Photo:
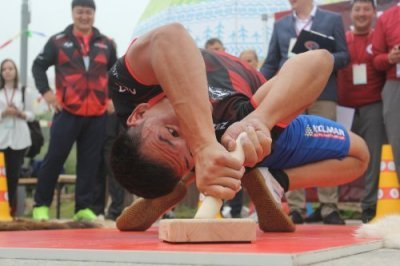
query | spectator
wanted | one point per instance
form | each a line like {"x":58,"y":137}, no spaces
{"x":386,"y":49}
{"x":306,"y":15}
{"x":214,"y":44}
{"x":14,"y":132}
{"x":359,"y":87}
{"x":250,"y":56}
{"x":106,"y":183}
{"x":81,"y":56}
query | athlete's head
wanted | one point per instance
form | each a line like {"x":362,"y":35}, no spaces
{"x":151,"y":156}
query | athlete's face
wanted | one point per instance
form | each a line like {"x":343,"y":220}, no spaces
{"x":161,"y":137}
{"x":83,"y":18}
{"x":362,"y":15}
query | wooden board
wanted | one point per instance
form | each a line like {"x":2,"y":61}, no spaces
{"x":207,"y":230}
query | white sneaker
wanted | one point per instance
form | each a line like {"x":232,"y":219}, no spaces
{"x":273,"y":185}
{"x":226,"y":211}
{"x":100,"y":218}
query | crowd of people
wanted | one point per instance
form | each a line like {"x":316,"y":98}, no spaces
{"x":275,"y":102}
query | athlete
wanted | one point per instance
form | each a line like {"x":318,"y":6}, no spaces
{"x":169,"y":83}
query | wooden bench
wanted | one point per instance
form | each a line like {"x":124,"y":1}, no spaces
{"x":62,"y":181}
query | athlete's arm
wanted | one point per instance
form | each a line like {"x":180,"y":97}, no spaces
{"x":296,"y":86}
{"x":169,"y":57}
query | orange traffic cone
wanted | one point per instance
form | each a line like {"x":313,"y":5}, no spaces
{"x":4,"y":206}
{"x":389,"y":190}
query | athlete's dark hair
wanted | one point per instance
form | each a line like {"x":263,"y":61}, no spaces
{"x":139,"y":175}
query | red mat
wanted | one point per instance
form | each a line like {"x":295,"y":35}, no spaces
{"x":306,"y":238}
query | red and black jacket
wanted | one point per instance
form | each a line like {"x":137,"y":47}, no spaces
{"x":81,"y":91}
{"x":231,"y":84}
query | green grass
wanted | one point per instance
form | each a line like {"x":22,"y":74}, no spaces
{"x":183,"y":211}
{"x":67,"y":210}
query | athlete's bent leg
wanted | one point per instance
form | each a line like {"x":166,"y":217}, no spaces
{"x":332,"y":172}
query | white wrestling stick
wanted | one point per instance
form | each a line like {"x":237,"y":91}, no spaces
{"x":211,"y":206}
{"x":205,"y":228}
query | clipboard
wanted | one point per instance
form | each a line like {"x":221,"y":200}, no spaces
{"x":312,"y":40}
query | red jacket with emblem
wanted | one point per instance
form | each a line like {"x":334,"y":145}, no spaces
{"x":360,"y":51}
{"x":81,"y":81}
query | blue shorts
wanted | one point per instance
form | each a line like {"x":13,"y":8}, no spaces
{"x":306,"y":140}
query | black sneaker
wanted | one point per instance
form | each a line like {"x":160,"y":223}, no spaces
{"x":296,"y":217}
{"x":111,"y":216}
{"x":367,"y":215}
{"x":314,"y":217}
{"x":333,"y":218}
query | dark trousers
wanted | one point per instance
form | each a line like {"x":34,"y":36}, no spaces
{"x":105,"y":183}
{"x":391,"y":116}
{"x":236,"y":205}
{"x":13,"y":160}
{"x":368,"y":124}
{"x":88,"y":133}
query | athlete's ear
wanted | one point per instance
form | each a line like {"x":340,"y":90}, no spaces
{"x":136,"y":116}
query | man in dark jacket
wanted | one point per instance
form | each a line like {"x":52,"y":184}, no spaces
{"x":81,"y":56}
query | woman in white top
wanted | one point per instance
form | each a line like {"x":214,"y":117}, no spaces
{"x":14,"y":132}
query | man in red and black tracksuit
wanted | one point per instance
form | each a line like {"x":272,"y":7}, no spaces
{"x":359,"y":87}
{"x":81,"y":56}
{"x":386,"y":49}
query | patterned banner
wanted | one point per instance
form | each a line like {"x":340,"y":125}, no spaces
{"x":239,"y":24}
{"x":29,"y":33}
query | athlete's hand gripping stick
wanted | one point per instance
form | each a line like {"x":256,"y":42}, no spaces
{"x":211,"y":205}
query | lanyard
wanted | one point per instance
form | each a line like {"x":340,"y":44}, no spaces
{"x":359,"y":53}
{"x":9,"y":101}
{"x":84,"y":43}
{"x":305,"y":26}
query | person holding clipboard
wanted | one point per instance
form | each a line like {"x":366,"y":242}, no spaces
{"x":307,"y":16}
